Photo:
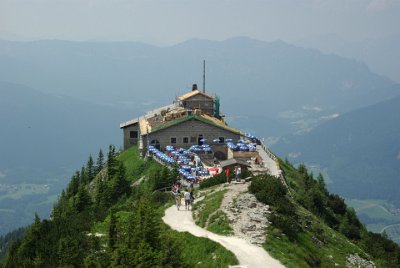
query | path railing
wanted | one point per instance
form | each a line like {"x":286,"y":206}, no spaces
{"x":273,"y":157}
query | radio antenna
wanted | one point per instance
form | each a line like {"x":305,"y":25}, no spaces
{"x":204,"y":76}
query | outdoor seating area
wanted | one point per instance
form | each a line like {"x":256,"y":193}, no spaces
{"x":243,"y":145}
{"x":187,"y":161}
{"x":181,"y":159}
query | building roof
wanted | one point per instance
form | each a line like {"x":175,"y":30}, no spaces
{"x":194,"y":93}
{"x":234,"y":161}
{"x":204,"y":118}
{"x":129,"y":123}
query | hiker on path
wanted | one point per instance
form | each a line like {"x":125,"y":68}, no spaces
{"x":238,"y":172}
{"x":227,"y":173}
{"x":186,"y":194}
{"x":191,"y":198}
{"x":178,"y":198}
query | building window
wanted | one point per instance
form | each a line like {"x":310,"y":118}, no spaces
{"x":173,"y":140}
{"x":133,"y":134}
{"x":192,"y":139}
{"x":221,"y":139}
{"x":185,"y":139}
{"x":156,"y":144}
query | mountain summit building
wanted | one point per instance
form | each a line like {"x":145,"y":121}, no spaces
{"x":192,"y":119}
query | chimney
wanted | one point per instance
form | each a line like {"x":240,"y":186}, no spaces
{"x":194,"y":87}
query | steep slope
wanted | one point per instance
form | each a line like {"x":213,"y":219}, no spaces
{"x":360,"y":151}
{"x":100,"y":220}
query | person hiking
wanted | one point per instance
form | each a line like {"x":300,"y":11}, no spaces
{"x":227,"y":173}
{"x":191,"y":198}
{"x":238,"y":172}
{"x":178,"y":198}
{"x":186,"y":194}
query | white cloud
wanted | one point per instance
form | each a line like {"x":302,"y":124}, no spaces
{"x":2,"y":174}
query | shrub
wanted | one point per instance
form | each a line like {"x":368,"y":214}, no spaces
{"x":268,"y":189}
{"x":217,"y":179}
{"x":287,"y":224}
{"x":161,"y":198}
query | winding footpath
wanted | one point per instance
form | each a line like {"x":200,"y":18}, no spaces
{"x":249,"y":255}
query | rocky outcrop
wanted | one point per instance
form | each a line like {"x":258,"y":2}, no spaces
{"x":355,"y":261}
{"x":248,"y":217}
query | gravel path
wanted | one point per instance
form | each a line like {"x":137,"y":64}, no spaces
{"x":249,"y":255}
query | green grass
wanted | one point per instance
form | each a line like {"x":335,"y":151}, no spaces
{"x":312,"y":246}
{"x":201,"y":252}
{"x":211,"y":203}
{"x":219,"y":224}
{"x":136,"y":166}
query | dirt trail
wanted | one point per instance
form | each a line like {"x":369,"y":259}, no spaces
{"x":249,"y":255}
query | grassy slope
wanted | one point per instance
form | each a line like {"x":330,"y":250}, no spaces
{"x":318,"y":241}
{"x":334,"y":248}
{"x":197,"y":252}
{"x":209,"y":213}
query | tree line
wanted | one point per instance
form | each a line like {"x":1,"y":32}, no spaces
{"x":95,"y":194}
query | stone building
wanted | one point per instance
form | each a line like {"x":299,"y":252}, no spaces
{"x":190,"y":120}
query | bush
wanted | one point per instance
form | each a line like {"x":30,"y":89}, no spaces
{"x":268,"y":190}
{"x":217,"y":179}
{"x":287,"y":224}
{"x":161,"y":198}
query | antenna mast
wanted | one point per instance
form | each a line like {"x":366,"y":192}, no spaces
{"x":204,"y":76}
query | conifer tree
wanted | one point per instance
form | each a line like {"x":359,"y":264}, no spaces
{"x":120,"y":185}
{"x":83,"y":175}
{"x":82,"y":199}
{"x":74,"y":184}
{"x":112,"y":231}
{"x":112,"y":162}
{"x":90,"y":169}
{"x":100,"y":161}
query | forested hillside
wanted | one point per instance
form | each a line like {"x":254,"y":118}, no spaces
{"x":318,"y":225}
{"x":101,"y":221}
{"x":110,"y":216}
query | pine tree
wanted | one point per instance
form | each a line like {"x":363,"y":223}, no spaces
{"x":100,"y":162}
{"x":112,"y":231}
{"x":83,"y":175}
{"x":90,"y":169}
{"x":72,"y":188}
{"x":120,"y":185}
{"x":82,"y":199}
{"x":112,"y":162}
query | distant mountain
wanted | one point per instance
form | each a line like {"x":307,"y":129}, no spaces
{"x":360,"y":149}
{"x":88,"y":88}
{"x":43,"y":139}
{"x":287,"y":88}
{"x":382,"y":54}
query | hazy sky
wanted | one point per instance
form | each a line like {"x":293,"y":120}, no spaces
{"x":173,"y":21}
